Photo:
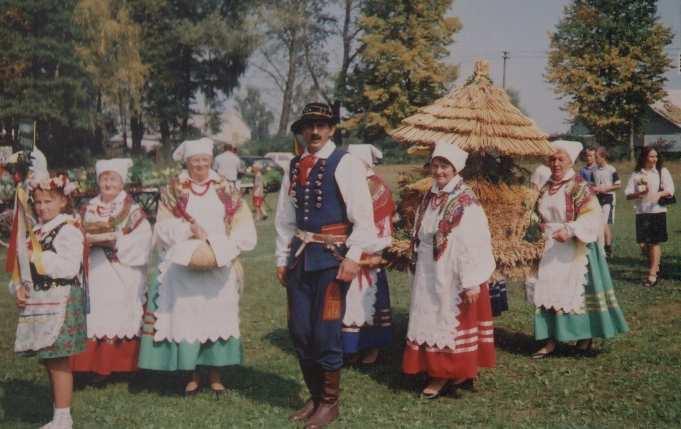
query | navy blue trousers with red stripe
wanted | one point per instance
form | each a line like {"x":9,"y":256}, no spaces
{"x":316,"y":304}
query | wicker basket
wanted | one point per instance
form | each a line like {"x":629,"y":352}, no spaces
{"x":203,"y":258}
{"x":103,"y":237}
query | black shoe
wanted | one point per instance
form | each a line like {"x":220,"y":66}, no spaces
{"x":218,"y":391}
{"x":466,"y":384}
{"x":543,"y":352}
{"x":647,"y":283}
{"x":444,"y":390}
{"x":193,"y":392}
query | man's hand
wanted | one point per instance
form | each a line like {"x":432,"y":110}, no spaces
{"x":471,"y":296}
{"x":198,"y":231}
{"x":562,"y":235}
{"x":21,"y":297}
{"x":281,"y":275}
{"x":348,"y":270}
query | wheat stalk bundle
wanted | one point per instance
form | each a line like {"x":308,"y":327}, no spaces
{"x":480,"y":119}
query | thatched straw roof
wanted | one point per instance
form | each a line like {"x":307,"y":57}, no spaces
{"x":478,"y":117}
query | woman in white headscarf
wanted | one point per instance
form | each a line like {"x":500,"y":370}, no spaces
{"x":573,"y":291}
{"x":367,"y":322}
{"x":119,"y":236}
{"x":451,"y":332}
{"x":192,"y":316}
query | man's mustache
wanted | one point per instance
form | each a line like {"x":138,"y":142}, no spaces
{"x":315,"y":136}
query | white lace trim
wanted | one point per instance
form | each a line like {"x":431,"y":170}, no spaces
{"x":117,"y":297}
{"x":196,"y":305}
{"x":563,"y":291}
{"x":360,"y":304}
{"x":433,"y":314}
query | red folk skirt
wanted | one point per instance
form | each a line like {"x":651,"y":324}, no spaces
{"x":107,"y":355}
{"x":258,"y":201}
{"x":474,"y":347}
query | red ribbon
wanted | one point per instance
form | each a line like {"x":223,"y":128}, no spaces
{"x":304,"y":168}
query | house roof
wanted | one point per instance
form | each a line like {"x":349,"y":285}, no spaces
{"x":670,"y":107}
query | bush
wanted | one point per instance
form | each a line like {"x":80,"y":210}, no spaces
{"x":270,"y":144}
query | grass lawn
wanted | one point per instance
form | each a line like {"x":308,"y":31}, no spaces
{"x":635,"y":380}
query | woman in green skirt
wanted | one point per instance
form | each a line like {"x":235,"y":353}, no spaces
{"x":192,"y":313}
{"x":572,"y":290}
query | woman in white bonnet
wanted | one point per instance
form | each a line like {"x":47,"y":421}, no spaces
{"x":572,"y":290}
{"x":367,"y":322}
{"x":119,"y":237}
{"x":451,"y":333}
{"x":192,"y":316}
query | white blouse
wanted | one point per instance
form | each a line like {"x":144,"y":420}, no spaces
{"x":561,"y":276}
{"x":65,"y":260}
{"x":351,"y":178}
{"x":466,"y":263}
{"x":648,"y":202}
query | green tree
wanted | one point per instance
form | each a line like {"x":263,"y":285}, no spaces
{"x":255,"y":113}
{"x":607,"y":60}
{"x":292,"y":50}
{"x":111,"y":56}
{"x":43,"y":78}
{"x":214,"y":116}
{"x":514,"y":95}
{"x":191,"y":47}
{"x":349,"y":34}
{"x":400,"y":65}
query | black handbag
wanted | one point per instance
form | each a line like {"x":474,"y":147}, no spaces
{"x":665,"y":201}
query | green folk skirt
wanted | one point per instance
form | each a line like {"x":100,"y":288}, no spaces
{"x":182,"y":356}
{"x":603,"y":317}
{"x":73,"y":333}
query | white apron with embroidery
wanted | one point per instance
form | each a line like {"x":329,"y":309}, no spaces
{"x":40,"y":322}
{"x":561,"y":278}
{"x":42,"y":319}
{"x":360,"y":299}
{"x":117,"y":289}
{"x":198,"y":305}
{"x":466,"y":263}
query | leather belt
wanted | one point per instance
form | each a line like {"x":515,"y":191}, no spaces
{"x":329,"y":240}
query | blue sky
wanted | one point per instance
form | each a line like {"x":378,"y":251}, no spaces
{"x":520,"y":27}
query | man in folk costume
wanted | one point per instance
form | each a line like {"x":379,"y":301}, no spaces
{"x":324,"y":223}
{"x":450,"y":334}
{"x":367,"y":323}
{"x":119,"y":236}
{"x":192,"y":316}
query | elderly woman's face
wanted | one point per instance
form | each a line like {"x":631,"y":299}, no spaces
{"x":441,"y":171}
{"x":559,"y":163}
{"x":198,"y":166}
{"x":110,"y":184}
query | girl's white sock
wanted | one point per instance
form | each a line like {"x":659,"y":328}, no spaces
{"x":61,"y":413}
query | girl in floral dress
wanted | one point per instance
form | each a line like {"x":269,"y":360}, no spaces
{"x":52,"y":306}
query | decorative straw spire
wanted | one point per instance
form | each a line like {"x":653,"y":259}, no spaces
{"x":478,"y":117}
{"x":481,"y":70}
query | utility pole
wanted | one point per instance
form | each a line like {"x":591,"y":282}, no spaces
{"x":505,"y":57}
